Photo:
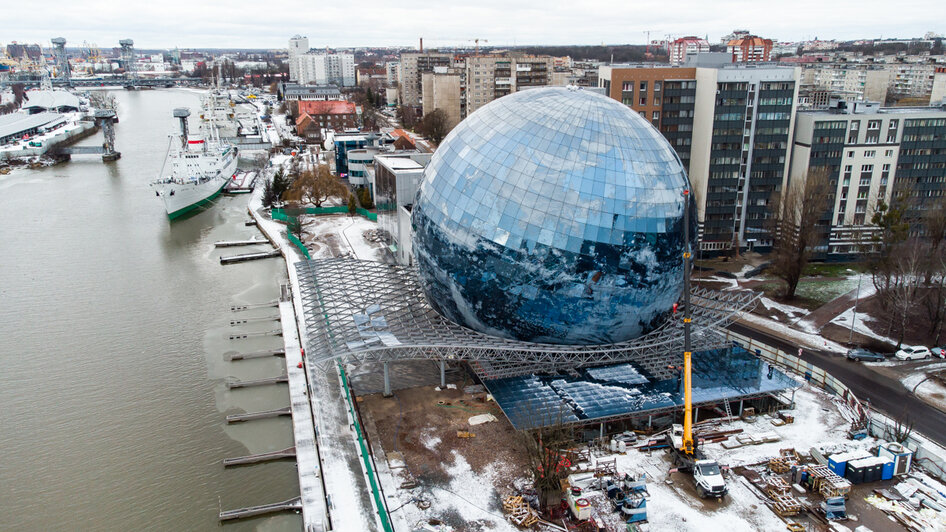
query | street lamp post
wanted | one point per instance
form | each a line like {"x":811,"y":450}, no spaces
{"x":857,"y":296}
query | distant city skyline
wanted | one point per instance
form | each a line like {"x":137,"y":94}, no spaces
{"x":244,"y":24}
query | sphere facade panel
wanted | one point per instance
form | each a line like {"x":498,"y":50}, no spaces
{"x":552,"y":215}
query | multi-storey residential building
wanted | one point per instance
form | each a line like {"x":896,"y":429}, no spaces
{"x":444,"y":89}
{"x":663,"y":95}
{"x":742,"y":128}
{"x":326,"y":69}
{"x":493,"y":76}
{"x":853,"y":81}
{"x":730,"y":125}
{"x":411,"y":69}
{"x":391,"y":68}
{"x":298,"y":45}
{"x":687,"y":46}
{"x":749,"y":49}
{"x":911,"y":78}
{"x":869,"y":154}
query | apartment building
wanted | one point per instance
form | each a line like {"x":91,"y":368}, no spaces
{"x":411,"y":69}
{"x":298,"y":45}
{"x":444,"y":89}
{"x":326,"y":69}
{"x":730,"y":125}
{"x":870,"y":153}
{"x":493,"y":76}
{"x":686,"y":46}
{"x":665,"y":96}
{"x":852,"y":81}
{"x":750,"y":49}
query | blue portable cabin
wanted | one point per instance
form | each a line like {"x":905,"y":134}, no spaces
{"x":838,"y":461}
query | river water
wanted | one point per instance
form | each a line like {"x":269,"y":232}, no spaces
{"x":113,"y":325}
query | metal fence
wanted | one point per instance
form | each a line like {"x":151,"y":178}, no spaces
{"x":284,"y":215}
{"x":927,"y":454}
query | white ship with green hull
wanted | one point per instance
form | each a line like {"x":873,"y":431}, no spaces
{"x":195,"y":171}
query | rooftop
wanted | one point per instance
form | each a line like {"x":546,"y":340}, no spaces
{"x":15,"y":123}
{"x":327,"y":107}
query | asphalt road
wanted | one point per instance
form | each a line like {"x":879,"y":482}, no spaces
{"x":885,"y":394}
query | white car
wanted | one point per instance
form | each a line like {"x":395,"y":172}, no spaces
{"x":914,"y":353}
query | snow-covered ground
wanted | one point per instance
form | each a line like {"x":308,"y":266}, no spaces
{"x":806,"y":339}
{"x":862,"y":325}
{"x":820,"y":422}
{"x":930,"y":390}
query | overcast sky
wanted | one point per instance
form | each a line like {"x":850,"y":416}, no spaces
{"x":261,"y":24}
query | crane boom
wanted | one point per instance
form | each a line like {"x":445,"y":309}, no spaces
{"x":687,"y":373}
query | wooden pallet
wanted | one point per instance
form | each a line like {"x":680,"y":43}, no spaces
{"x":787,"y":505}
{"x":779,"y":465}
{"x":777,"y":487}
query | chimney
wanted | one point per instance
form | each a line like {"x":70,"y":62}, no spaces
{"x":421,"y":45}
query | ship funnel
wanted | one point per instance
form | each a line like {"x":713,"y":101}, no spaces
{"x":181,"y":113}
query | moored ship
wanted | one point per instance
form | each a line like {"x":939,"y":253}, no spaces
{"x":195,"y":170}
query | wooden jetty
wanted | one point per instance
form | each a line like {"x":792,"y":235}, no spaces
{"x":259,"y":382}
{"x":250,"y":256}
{"x":258,"y":354}
{"x":250,"y":416}
{"x":261,"y":457}
{"x":233,"y":243}
{"x":253,"y":511}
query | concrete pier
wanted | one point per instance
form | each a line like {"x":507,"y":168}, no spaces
{"x":259,"y":382}
{"x":234,"y":243}
{"x":261,"y":457}
{"x":240,"y":308}
{"x":250,"y":416}
{"x":253,"y":511}
{"x":249,"y":256}
{"x":234,"y":323}
{"x":243,"y":336}
{"x":258,"y":354}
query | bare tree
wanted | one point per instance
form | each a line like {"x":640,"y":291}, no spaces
{"x":907,"y":277}
{"x":794,"y":215}
{"x":314,"y":186}
{"x":892,"y":229}
{"x":435,"y":125}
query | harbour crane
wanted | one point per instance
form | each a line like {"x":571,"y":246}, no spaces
{"x":683,"y":446}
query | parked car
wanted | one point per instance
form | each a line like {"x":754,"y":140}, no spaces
{"x":863,"y":354}
{"x":917,"y":352}
{"x":939,"y":351}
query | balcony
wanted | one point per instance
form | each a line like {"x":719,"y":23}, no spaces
{"x":503,"y":81}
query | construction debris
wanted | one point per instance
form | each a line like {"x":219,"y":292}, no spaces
{"x":519,"y":512}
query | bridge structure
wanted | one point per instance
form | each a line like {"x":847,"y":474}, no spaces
{"x":105,"y":119}
{"x":363,"y":311}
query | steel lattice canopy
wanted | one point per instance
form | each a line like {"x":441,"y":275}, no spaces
{"x":359,"y":311}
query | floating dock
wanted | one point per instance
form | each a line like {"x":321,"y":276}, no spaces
{"x":258,"y":354}
{"x":242,"y":321}
{"x":250,"y":256}
{"x":261,"y":457}
{"x":259,"y":382}
{"x":253,"y":511}
{"x":250,"y":416}
{"x":242,"y":183}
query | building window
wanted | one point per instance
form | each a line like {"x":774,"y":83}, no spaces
{"x":869,"y":154}
{"x":627,"y":86}
{"x":656,"y":86}
{"x":656,"y":115}
{"x":643,"y":86}
{"x":867,"y":168}
{"x":873,"y":124}
{"x":850,"y":153}
{"x":888,"y":153}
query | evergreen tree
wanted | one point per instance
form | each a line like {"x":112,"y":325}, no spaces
{"x":352,"y":206}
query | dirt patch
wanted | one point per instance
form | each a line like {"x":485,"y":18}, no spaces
{"x":422,"y":424}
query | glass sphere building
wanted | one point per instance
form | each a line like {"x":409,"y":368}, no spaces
{"x":553,"y":215}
